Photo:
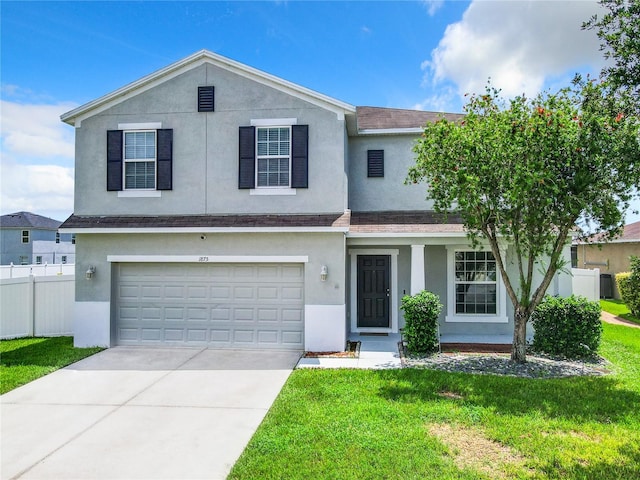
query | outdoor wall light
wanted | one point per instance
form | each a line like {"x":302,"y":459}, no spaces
{"x":91,"y":271}
{"x":324,"y":273}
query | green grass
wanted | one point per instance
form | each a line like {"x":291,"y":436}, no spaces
{"x":416,"y":424}
{"x":618,"y":308}
{"x":22,"y":360}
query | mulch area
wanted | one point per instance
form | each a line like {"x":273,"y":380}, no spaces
{"x":475,"y":347}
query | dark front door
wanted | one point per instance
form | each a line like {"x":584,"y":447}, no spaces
{"x":373,"y":291}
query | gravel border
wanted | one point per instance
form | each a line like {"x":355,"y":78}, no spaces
{"x":537,"y":366}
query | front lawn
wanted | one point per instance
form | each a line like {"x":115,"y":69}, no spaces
{"x":618,"y":308}
{"x":416,"y":424}
{"x":25,"y":359}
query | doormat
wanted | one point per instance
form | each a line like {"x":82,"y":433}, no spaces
{"x":372,"y":334}
{"x":352,"y":351}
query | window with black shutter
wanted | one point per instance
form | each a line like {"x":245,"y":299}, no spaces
{"x":206,"y":99}
{"x":375,"y":163}
{"x":274,"y":157}
{"x":139,"y":159}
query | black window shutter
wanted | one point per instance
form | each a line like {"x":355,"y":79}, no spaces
{"x":165,"y":159}
{"x":247,"y":161}
{"x":300,"y":156}
{"x":206,"y":99}
{"x":375,"y":163}
{"x":114,"y":160}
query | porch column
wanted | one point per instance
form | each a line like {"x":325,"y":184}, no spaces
{"x":417,"y":268}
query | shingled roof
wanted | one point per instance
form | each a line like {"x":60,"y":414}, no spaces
{"x":28,"y":220}
{"x":377,"y":118}
{"x":412,"y":222}
{"x":338,"y":220}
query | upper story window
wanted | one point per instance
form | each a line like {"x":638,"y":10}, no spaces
{"x":73,"y":239}
{"x":57,"y":237}
{"x":140,"y":160}
{"x":39,"y":260}
{"x":25,"y":236}
{"x":273,"y":156}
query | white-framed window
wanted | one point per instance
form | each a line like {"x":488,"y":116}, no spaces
{"x":475,"y":283}
{"x":73,"y":239}
{"x":64,"y":259}
{"x":24,"y":260}
{"x":476,"y":292}
{"x":273,"y":157}
{"x":38,"y":259}
{"x":25,"y":236}
{"x":57,"y":237}
{"x":139,"y":160}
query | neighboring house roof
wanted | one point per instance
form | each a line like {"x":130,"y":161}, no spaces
{"x":630,"y":234}
{"x":376,"y":119}
{"x":28,"y":220}
{"x":355,"y":223}
{"x":74,"y":117}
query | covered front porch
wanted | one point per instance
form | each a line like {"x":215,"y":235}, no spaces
{"x":393,"y":254}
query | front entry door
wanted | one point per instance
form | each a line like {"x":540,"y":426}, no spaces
{"x":373,"y":291}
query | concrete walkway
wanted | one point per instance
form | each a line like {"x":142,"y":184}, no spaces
{"x":134,"y":413}
{"x":376,"y":352}
{"x":615,"y":320}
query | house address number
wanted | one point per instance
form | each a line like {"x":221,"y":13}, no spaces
{"x":203,"y":259}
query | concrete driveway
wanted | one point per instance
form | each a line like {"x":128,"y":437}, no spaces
{"x":133,"y":413}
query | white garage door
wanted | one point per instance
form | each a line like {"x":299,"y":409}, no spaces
{"x":218,"y":305}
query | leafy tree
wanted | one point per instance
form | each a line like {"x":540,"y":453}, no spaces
{"x":527,"y":173}
{"x":619,"y":32}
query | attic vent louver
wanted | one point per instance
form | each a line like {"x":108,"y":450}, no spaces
{"x":375,"y":163}
{"x":205,"y":99}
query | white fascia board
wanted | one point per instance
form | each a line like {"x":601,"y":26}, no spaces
{"x":208,"y":258}
{"x":391,"y":131}
{"x":75,"y":116}
{"x":407,"y":235}
{"x":209,"y":230}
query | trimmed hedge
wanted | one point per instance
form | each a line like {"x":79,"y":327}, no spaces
{"x":629,"y":286}
{"x":421,"y":322}
{"x":569,"y":327}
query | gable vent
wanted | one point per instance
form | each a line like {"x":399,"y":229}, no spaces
{"x":375,"y":163}
{"x":205,"y":99}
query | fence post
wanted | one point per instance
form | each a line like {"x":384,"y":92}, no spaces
{"x":32,"y":305}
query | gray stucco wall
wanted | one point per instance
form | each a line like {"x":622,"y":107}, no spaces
{"x":321,"y":248}
{"x":388,"y":192}
{"x":205,"y":149}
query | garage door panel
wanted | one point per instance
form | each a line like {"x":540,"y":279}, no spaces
{"x":220,"y":305}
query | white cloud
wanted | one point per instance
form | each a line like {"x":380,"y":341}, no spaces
{"x":43,"y":189}
{"x":433,"y":6}
{"x":37,"y":154}
{"x":520,"y":45}
{"x":35,"y":130}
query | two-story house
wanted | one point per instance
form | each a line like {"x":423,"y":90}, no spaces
{"x":27,"y":238}
{"x":218,"y":205}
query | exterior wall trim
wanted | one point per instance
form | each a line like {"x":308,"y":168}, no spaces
{"x":209,"y":230}
{"x":393,"y":252}
{"x":208,"y":258}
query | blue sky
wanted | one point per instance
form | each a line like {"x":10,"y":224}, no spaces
{"x":406,"y":54}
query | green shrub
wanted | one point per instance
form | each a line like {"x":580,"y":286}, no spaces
{"x":421,"y":321}
{"x":629,"y":286}
{"x":569,"y":327}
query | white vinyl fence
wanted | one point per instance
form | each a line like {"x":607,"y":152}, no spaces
{"x":586,"y":282}
{"x":37,"y":306}
{"x":17,"y":271}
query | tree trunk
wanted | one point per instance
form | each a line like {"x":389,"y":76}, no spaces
{"x":519,"y":347}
